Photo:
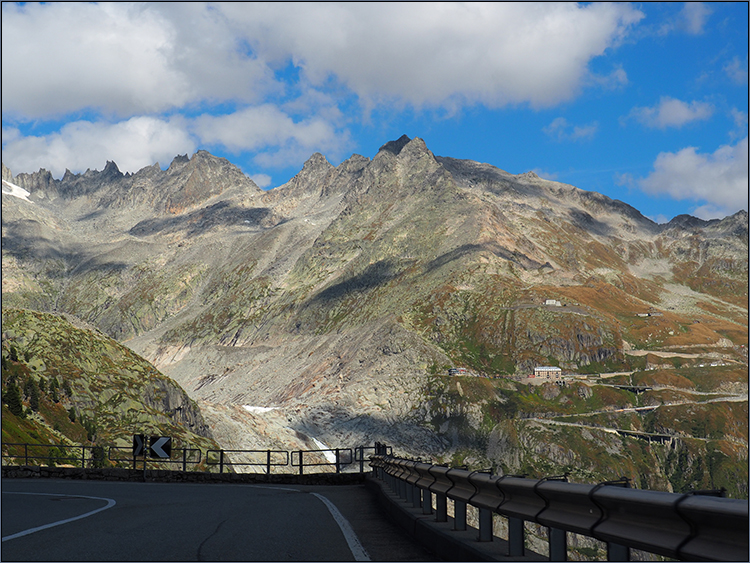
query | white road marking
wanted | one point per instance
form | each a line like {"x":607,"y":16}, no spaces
{"x":351,"y":538}
{"x":110,"y":504}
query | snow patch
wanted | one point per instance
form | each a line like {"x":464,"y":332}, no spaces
{"x":250,"y":408}
{"x":330,"y":456}
{"x":16,"y":191}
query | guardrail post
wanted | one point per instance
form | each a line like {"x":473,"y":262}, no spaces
{"x":515,"y":537}
{"x":416,"y":494}
{"x":441,"y":514}
{"x":184,"y":460}
{"x":221,"y":461}
{"x":426,"y":501}
{"x":410,"y":494}
{"x":301,"y":465}
{"x":83,"y":457}
{"x":25,"y":454}
{"x":485,"y":524}
{"x":617,"y":552}
{"x":268,"y":462}
{"x":558,"y":544}
{"x":338,"y":463}
{"x":361,"y":459}
{"x":459,"y":515}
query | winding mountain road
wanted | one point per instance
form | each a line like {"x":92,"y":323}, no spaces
{"x":55,"y":520}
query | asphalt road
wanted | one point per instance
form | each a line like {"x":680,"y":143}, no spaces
{"x":57,"y":520}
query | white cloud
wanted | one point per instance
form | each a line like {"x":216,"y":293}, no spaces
{"x":261,"y":180}
{"x":560,"y":130}
{"x":719,"y":179}
{"x":736,"y":70}
{"x":260,"y":128}
{"x":132,"y":144}
{"x":691,"y":19}
{"x":670,"y":112}
{"x":431,"y":54}
{"x":120,"y":58}
{"x":132,"y":58}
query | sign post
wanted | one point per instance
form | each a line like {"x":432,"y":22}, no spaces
{"x":139,"y":445}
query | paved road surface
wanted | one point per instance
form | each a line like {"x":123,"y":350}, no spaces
{"x":111,"y":521}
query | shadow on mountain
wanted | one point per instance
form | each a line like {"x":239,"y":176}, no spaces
{"x":498,"y":250}
{"x":203,"y":220}
{"x":20,"y":245}
{"x":374,"y":275}
{"x":588,"y":223}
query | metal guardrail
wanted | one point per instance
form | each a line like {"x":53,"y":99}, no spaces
{"x":270,"y":458}
{"x":188,"y":456}
{"x":339,"y":459}
{"x":690,"y":527}
{"x":54,"y":453}
{"x":47,"y":454}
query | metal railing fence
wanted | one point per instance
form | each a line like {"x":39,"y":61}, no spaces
{"x":698,"y":526}
{"x":53,"y":454}
{"x":341,"y":457}
{"x":270,"y":458}
{"x":184,"y":456}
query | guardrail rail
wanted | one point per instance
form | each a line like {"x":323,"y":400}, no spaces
{"x":697,"y":526}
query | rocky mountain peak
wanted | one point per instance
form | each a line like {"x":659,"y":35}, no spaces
{"x":7,"y":174}
{"x":395,"y":147}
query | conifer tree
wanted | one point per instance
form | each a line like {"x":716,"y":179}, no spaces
{"x":12,"y":398}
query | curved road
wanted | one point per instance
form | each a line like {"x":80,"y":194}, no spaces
{"x":56,"y":520}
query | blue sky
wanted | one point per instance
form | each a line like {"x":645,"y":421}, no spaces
{"x":646,"y":103}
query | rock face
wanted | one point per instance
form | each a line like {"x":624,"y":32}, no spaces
{"x":121,"y":393}
{"x":341,"y":298}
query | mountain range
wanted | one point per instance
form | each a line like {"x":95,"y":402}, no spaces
{"x":328,"y":310}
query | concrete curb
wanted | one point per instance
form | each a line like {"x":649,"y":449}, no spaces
{"x":439,"y":537}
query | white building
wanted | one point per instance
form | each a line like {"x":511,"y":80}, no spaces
{"x":553,"y":302}
{"x":547,"y":372}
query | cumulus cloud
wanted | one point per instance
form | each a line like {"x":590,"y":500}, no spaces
{"x":120,"y":58}
{"x":132,"y":144}
{"x":560,"y":130}
{"x":131,"y":58}
{"x":719,"y":180}
{"x":736,"y":70}
{"x":433,"y":54}
{"x":670,"y":112}
{"x":691,"y":19}
{"x":266,"y":128}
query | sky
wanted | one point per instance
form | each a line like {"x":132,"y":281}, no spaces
{"x":645,"y":103}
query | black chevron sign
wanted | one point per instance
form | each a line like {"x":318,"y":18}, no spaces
{"x":139,"y":442}
{"x":161,"y":446}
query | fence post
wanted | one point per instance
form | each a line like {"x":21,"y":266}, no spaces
{"x":221,"y":461}
{"x":301,"y":470}
{"x":338,"y":465}
{"x":83,"y":457}
{"x":558,"y":545}
{"x":485,"y":524}
{"x":442,"y":508}
{"x":25,"y":454}
{"x":268,"y":462}
{"x":459,"y":515}
{"x":361,"y":459}
{"x":426,"y":501}
{"x":617,"y":552}
{"x":515,"y":537}
{"x":184,"y":460}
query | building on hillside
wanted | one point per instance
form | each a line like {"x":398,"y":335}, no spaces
{"x":553,"y":302}
{"x":457,"y":371}
{"x":547,"y":372}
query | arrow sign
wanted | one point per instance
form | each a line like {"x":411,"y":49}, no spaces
{"x":161,"y":446}
{"x":138,"y":443}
